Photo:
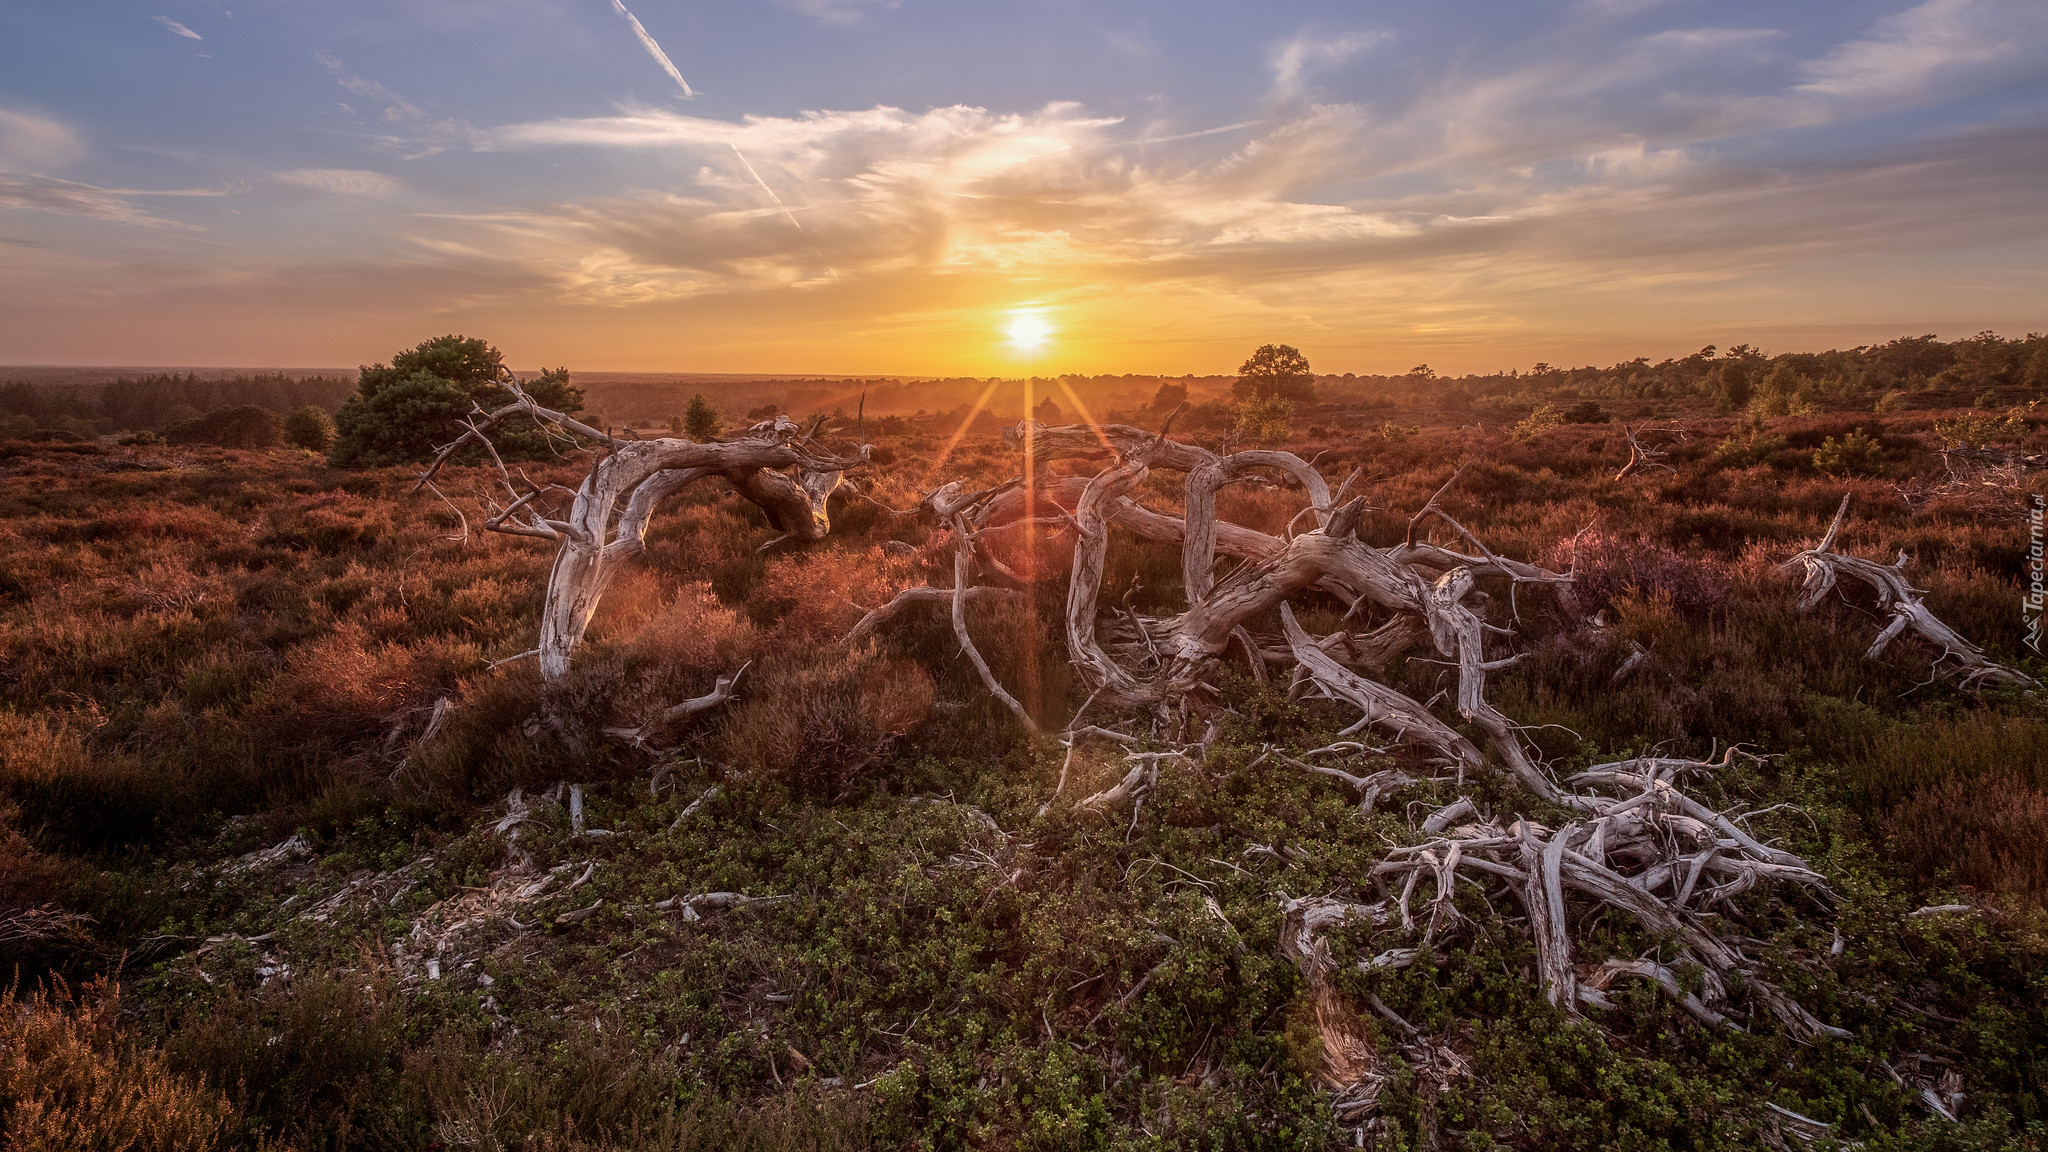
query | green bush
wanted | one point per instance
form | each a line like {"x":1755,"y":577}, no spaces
{"x":311,"y":428}
{"x":1264,"y":419}
{"x":403,"y":411}
{"x":1545,"y":417}
{"x":1754,"y":444}
{"x":1853,"y":455}
{"x":701,"y":420}
{"x":237,"y":426}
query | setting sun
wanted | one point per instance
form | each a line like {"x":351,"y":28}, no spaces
{"x":1028,"y":332}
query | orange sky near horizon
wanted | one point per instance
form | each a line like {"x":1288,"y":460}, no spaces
{"x":855,"y":188}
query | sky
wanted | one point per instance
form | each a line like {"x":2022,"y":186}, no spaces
{"x":989,"y":187}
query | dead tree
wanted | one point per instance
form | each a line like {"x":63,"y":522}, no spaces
{"x":1823,"y":566}
{"x":776,"y":465}
{"x":1647,"y":851}
{"x":1158,"y":664}
{"x":1638,"y":844}
{"x":1641,"y":457}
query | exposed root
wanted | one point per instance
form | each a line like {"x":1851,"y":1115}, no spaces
{"x":1653,"y":853}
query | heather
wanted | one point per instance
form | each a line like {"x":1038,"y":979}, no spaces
{"x":270,"y":749}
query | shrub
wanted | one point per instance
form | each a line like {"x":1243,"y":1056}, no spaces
{"x":1545,"y":417}
{"x":1264,"y":419}
{"x":238,"y":426}
{"x":70,"y":1080}
{"x":307,"y":1053}
{"x":402,"y":411}
{"x":1608,"y":566}
{"x":1890,"y":402}
{"x":1853,"y":455}
{"x":701,"y":421}
{"x":1986,"y":399}
{"x":1755,"y":444}
{"x":819,"y":727}
{"x":1973,"y":431}
{"x":311,"y":428}
{"x":1984,"y":831}
{"x":1586,"y":412}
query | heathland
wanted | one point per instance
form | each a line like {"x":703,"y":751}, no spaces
{"x":298,"y":848}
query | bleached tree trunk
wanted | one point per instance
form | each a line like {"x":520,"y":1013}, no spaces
{"x":773,"y":465}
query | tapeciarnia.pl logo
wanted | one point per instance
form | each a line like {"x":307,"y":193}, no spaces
{"x":2037,"y":574}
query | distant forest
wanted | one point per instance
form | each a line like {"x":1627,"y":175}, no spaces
{"x":1736,"y":378}
{"x":155,"y":403}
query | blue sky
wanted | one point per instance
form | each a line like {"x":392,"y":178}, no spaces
{"x":859,"y":186}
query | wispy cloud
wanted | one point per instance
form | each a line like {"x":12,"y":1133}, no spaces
{"x":72,"y":198}
{"x":178,"y":28}
{"x":839,"y":11}
{"x":32,"y":140}
{"x":1560,"y":173}
{"x":654,"y":50}
{"x":1938,"y":44}
{"x":410,"y":130}
{"x":341,"y":182}
{"x":1294,"y":58}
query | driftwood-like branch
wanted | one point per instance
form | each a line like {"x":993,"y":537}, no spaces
{"x":953,"y":506}
{"x":1384,"y":708}
{"x":1653,"y":853}
{"x":675,"y":714}
{"x":882,"y":617}
{"x":1641,"y":457}
{"x":1822,"y":566}
{"x":773,"y":465}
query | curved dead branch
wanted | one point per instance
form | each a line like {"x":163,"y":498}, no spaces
{"x":1823,"y":566}
{"x":773,"y":464}
{"x":668,"y":718}
{"x":1642,"y":457}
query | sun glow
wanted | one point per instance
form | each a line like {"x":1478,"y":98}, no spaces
{"x":1029,"y":331}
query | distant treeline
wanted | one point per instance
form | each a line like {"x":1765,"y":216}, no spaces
{"x":156,"y":402}
{"x":1740,"y":376}
{"x":1733,"y":378}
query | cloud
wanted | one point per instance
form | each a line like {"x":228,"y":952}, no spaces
{"x":654,"y":50}
{"x":1939,"y":45}
{"x":71,"y":198}
{"x":1293,"y":59}
{"x":177,"y":28}
{"x":1060,"y":197}
{"x":341,"y":181}
{"x":29,"y":140}
{"x":838,"y":11}
{"x":412,"y":132}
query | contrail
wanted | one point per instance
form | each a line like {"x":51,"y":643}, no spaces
{"x":779,"y":204}
{"x":654,"y":50}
